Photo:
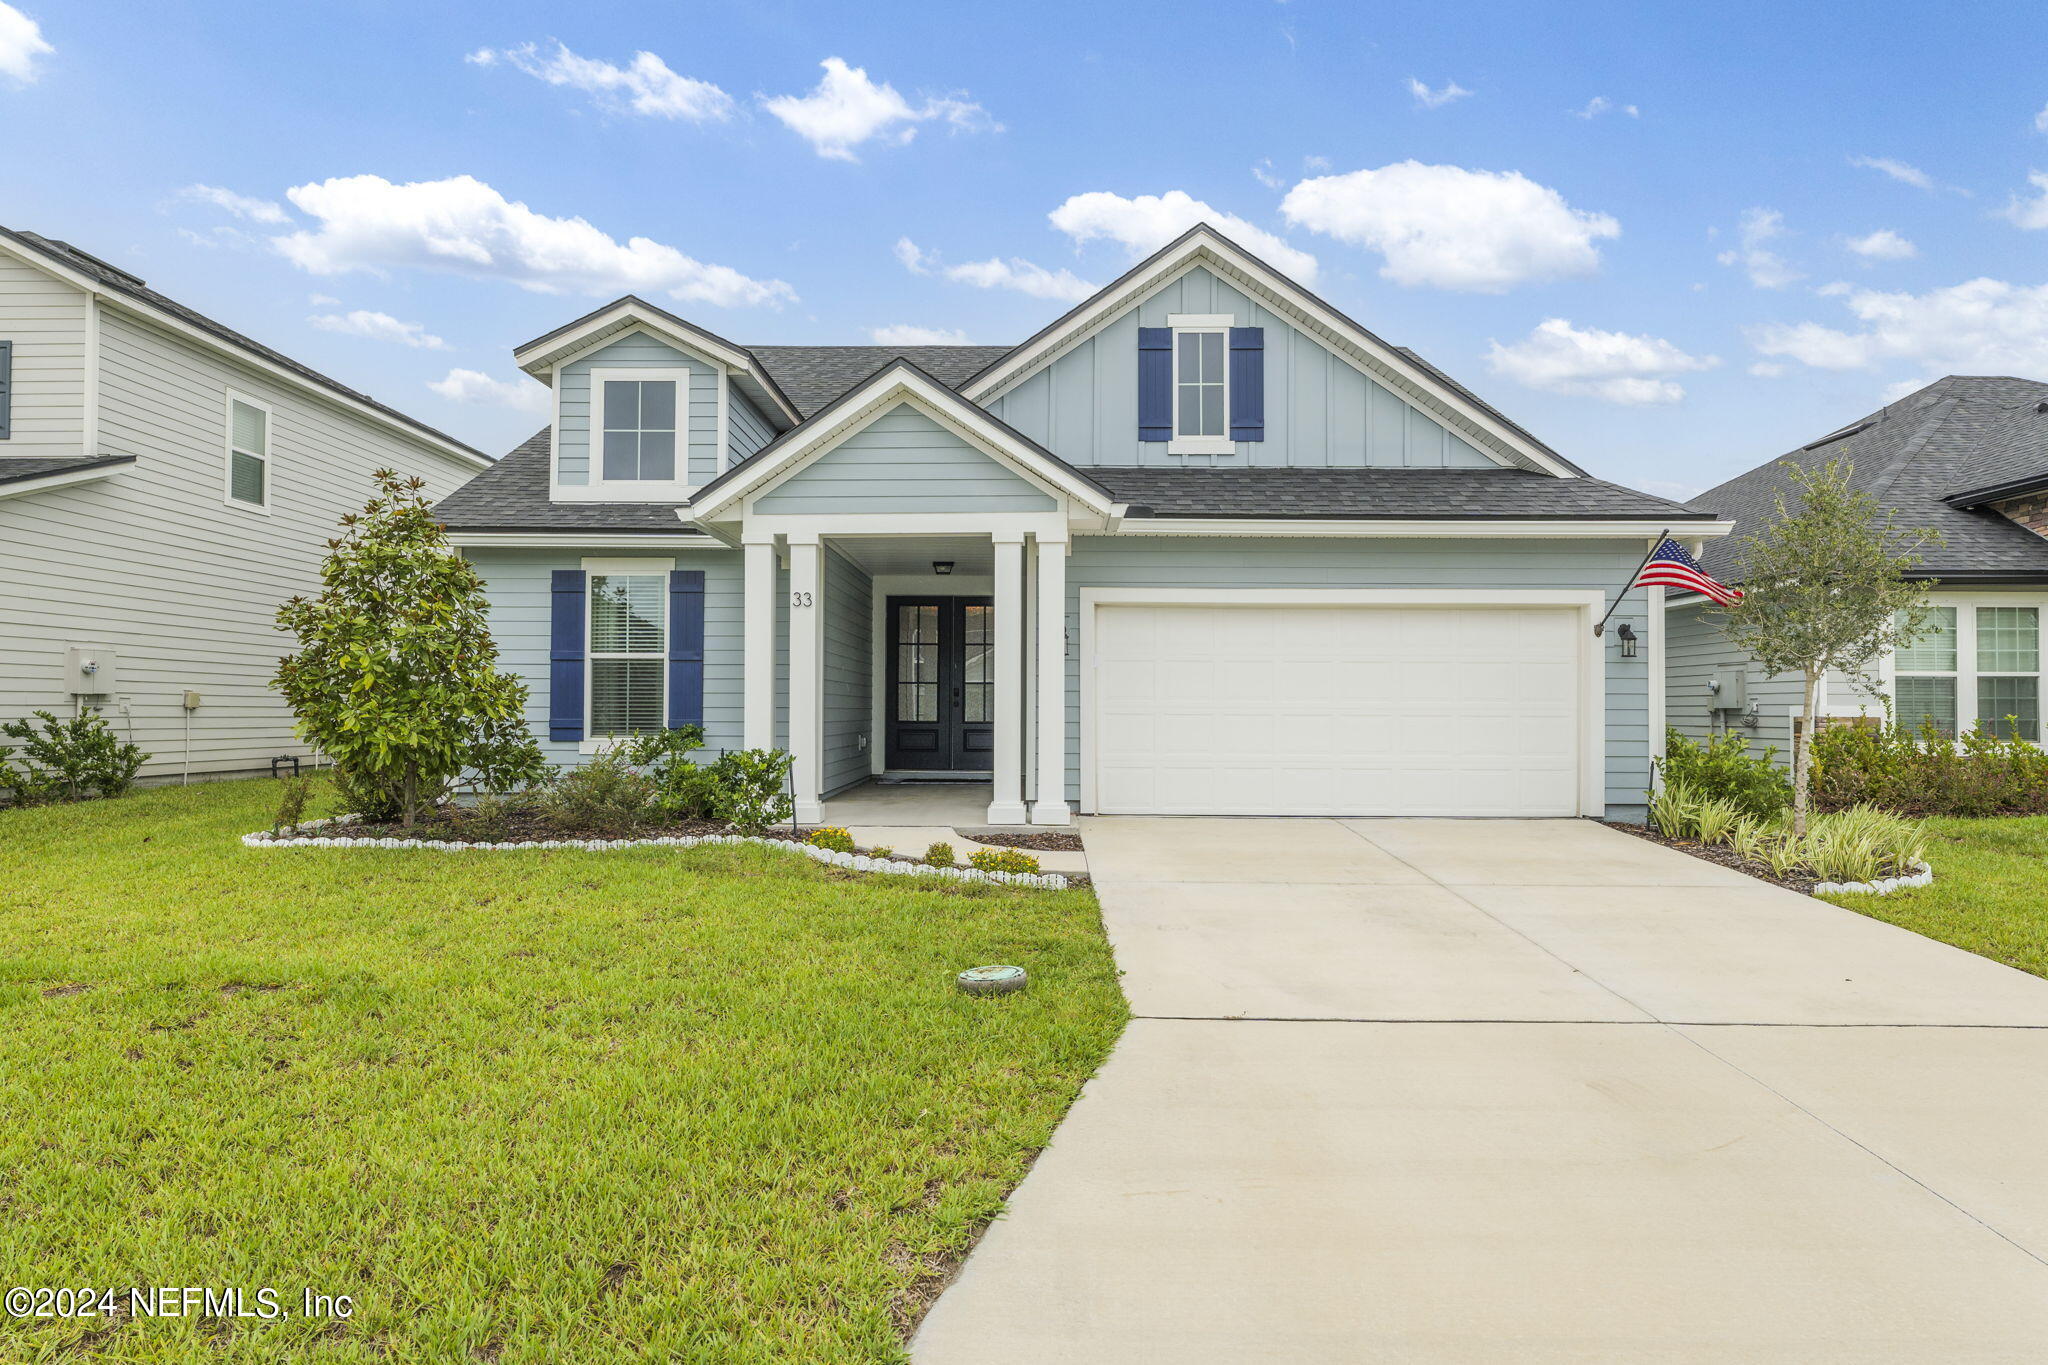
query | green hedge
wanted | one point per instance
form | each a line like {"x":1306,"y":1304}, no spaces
{"x":1926,"y":772}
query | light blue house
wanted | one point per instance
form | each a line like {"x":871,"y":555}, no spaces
{"x":1203,"y":545}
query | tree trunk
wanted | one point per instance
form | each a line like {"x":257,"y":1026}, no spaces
{"x":1802,"y":756}
{"x":410,"y":793}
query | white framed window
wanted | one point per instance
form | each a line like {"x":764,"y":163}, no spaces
{"x":1201,"y":384}
{"x":626,"y":650}
{"x":639,"y":437}
{"x":249,"y":434}
{"x":1978,"y":664}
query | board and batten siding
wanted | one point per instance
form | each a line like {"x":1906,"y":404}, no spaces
{"x":45,"y":318}
{"x":903,"y":461}
{"x":152,"y":562}
{"x":635,"y":351}
{"x":1205,"y":562}
{"x":1320,"y":410}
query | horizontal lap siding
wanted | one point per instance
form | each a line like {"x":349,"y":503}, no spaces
{"x":152,"y":563}
{"x":1203,"y":562}
{"x":635,"y":352}
{"x":903,"y":461}
{"x":518,"y":584}
{"x":849,"y":651}
{"x":747,"y":429}
{"x":1320,"y":410}
{"x":45,"y":319}
{"x":1698,"y":649}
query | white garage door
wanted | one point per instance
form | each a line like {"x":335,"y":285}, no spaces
{"x":1337,"y":710}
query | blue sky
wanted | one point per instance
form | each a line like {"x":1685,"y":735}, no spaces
{"x":1672,"y":240}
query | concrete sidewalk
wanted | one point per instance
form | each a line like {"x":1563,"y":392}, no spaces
{"x":1532,"y":1091}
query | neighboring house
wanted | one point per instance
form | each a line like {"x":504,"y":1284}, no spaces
{"x":1968,"y":456}
{"x":165,"y":483}
{"x":1203,"y":545}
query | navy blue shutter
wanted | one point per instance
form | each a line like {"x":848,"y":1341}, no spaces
{"x":565,"y":655}
{"x":1247,"y":383}
{"x":7,"y":390}
{"x":685,"y":647}
{"x":1155,"y":383}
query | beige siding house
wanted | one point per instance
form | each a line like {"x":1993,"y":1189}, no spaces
{"x":164,"y":484}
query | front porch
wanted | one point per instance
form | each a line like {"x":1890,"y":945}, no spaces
{"x":924,"y":676}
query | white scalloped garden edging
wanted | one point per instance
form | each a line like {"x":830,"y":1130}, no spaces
{"x":1882,"y":886}
{"x":856,"y":862}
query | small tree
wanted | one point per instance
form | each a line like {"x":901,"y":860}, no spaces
{"x":396,"y":676}
{"x":1825,"y":587}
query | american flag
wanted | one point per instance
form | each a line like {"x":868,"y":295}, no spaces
{"x":1672,"y":567}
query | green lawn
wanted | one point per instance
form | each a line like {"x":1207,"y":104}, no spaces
{"x":1990,"y":891}
{"x":707,"y":1105}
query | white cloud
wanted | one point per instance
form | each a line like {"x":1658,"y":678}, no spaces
{"x":1981,"y":326}
{"x":903,"y":334}
{"x":322,"y":300}
{"x":21,"y":42}
{"x":1480,"y":231}
{"x":1600,"y":104}
{"x":2030,"y":214}
{"x":462,"y":226}
{"x":1264,"y":173}
{"x":846,"y":109}
{"x":361,"y":322}
{"x":1897,"y":170}
{"x":241,"y":205}
{"x":1767,"y":369}
{"x":997,"y":273}
{"x":1588,"y":362}
{"x":1150,"y":221}
{"x":645,"y":86}
{"x":1766,"y":268}
{"x":474,"y":386}
{"x":2041,"y":120}
{"x":1882,"y":245}
{"x":1436,"y":99}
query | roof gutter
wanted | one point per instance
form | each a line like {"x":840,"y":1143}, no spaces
{"x":1971,"y":499}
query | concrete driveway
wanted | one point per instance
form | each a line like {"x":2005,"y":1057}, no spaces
{"x":1530,"y":1091}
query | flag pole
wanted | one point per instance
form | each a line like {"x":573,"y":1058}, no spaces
{"x":1655,"y":545}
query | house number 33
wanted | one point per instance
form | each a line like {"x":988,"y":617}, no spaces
{"x":799,"y":599}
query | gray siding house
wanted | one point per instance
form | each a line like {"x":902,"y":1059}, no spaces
{"x":164,"y":484}
{"x":1966,"y":455}
{"x":1203,"y":545}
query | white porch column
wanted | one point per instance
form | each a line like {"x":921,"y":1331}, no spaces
{"x":758,"y":672}
{"x":806,"y":673}
{"x":1006,"y":795}
{"x":1051,"y":807}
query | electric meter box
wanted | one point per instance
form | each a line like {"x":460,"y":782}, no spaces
{"x":91,"y":670}
{"x":1730,"y":689}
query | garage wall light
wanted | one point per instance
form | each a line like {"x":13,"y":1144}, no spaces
{"x":942,"y":566}
{"x":1626,"y":633}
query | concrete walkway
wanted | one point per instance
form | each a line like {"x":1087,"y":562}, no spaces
{"x":1529,"y":1091}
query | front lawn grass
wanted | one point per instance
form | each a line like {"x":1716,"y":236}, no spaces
{"x":664,"y":1105}
{"x":1989,"y":895}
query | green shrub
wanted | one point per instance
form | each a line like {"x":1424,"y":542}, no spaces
{"x":881,"y":851}
{"x":1862,"y":844}
{"x":1672,"y":808}
{"x":604,"y":797}
{"x":293,"y":793}
{"x":751,"y":789}
{"x":1003,"y":860}
{"x":831,"y":837}
{"x":939,"y":854}
{"x":67,"y":760}
{"x":683,"y":788}
{"x":1713,"y":819}
{"x":1925,"y":772}
{"x":1723,"y":769}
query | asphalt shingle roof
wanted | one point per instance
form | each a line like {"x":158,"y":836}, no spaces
{"x":121,"y":282}
{"x":1959,"y":433}
{"x":1428,"y":494}
{"x":812,"y":376}
{"x":512,"y":495}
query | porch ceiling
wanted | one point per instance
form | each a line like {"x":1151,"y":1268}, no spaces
{"x":914,"y":554}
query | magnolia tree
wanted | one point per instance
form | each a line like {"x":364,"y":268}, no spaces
{"x":1825,"y":587}
{"x":396,"y":676}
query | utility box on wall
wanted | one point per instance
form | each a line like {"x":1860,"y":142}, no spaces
{"x":1729,"y":689}
{"x":91,"y":670}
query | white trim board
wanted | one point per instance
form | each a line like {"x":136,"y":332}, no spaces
{"x":66,"y":478}
{"x":1412,"y":528}
{"x":1586,"y":603}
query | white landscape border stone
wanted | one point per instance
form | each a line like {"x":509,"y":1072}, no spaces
{"x":855,"y":862}
{"x":1882,"y":886}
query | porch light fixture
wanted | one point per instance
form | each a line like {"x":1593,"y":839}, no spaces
{"x":1626,"y":633}
{"x":942,"y":567}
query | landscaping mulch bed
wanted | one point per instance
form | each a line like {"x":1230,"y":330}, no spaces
{"x":1049,"y":842}
{"x":529,"y":828}
{"x":1716,"y":853}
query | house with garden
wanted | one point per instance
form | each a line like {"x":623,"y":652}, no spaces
{"x":1201,"y":545}
{"x":1966,"y":456}
{"x":165,"y":482}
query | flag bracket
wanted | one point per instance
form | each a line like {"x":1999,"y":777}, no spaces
{"x":1600,"y":626}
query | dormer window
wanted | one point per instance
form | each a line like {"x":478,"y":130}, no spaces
{"x":638,"y":420}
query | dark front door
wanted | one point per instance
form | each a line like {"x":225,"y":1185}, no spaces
{"x":941,"y":702}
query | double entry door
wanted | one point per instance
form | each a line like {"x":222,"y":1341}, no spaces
{"x":940,"y":707}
